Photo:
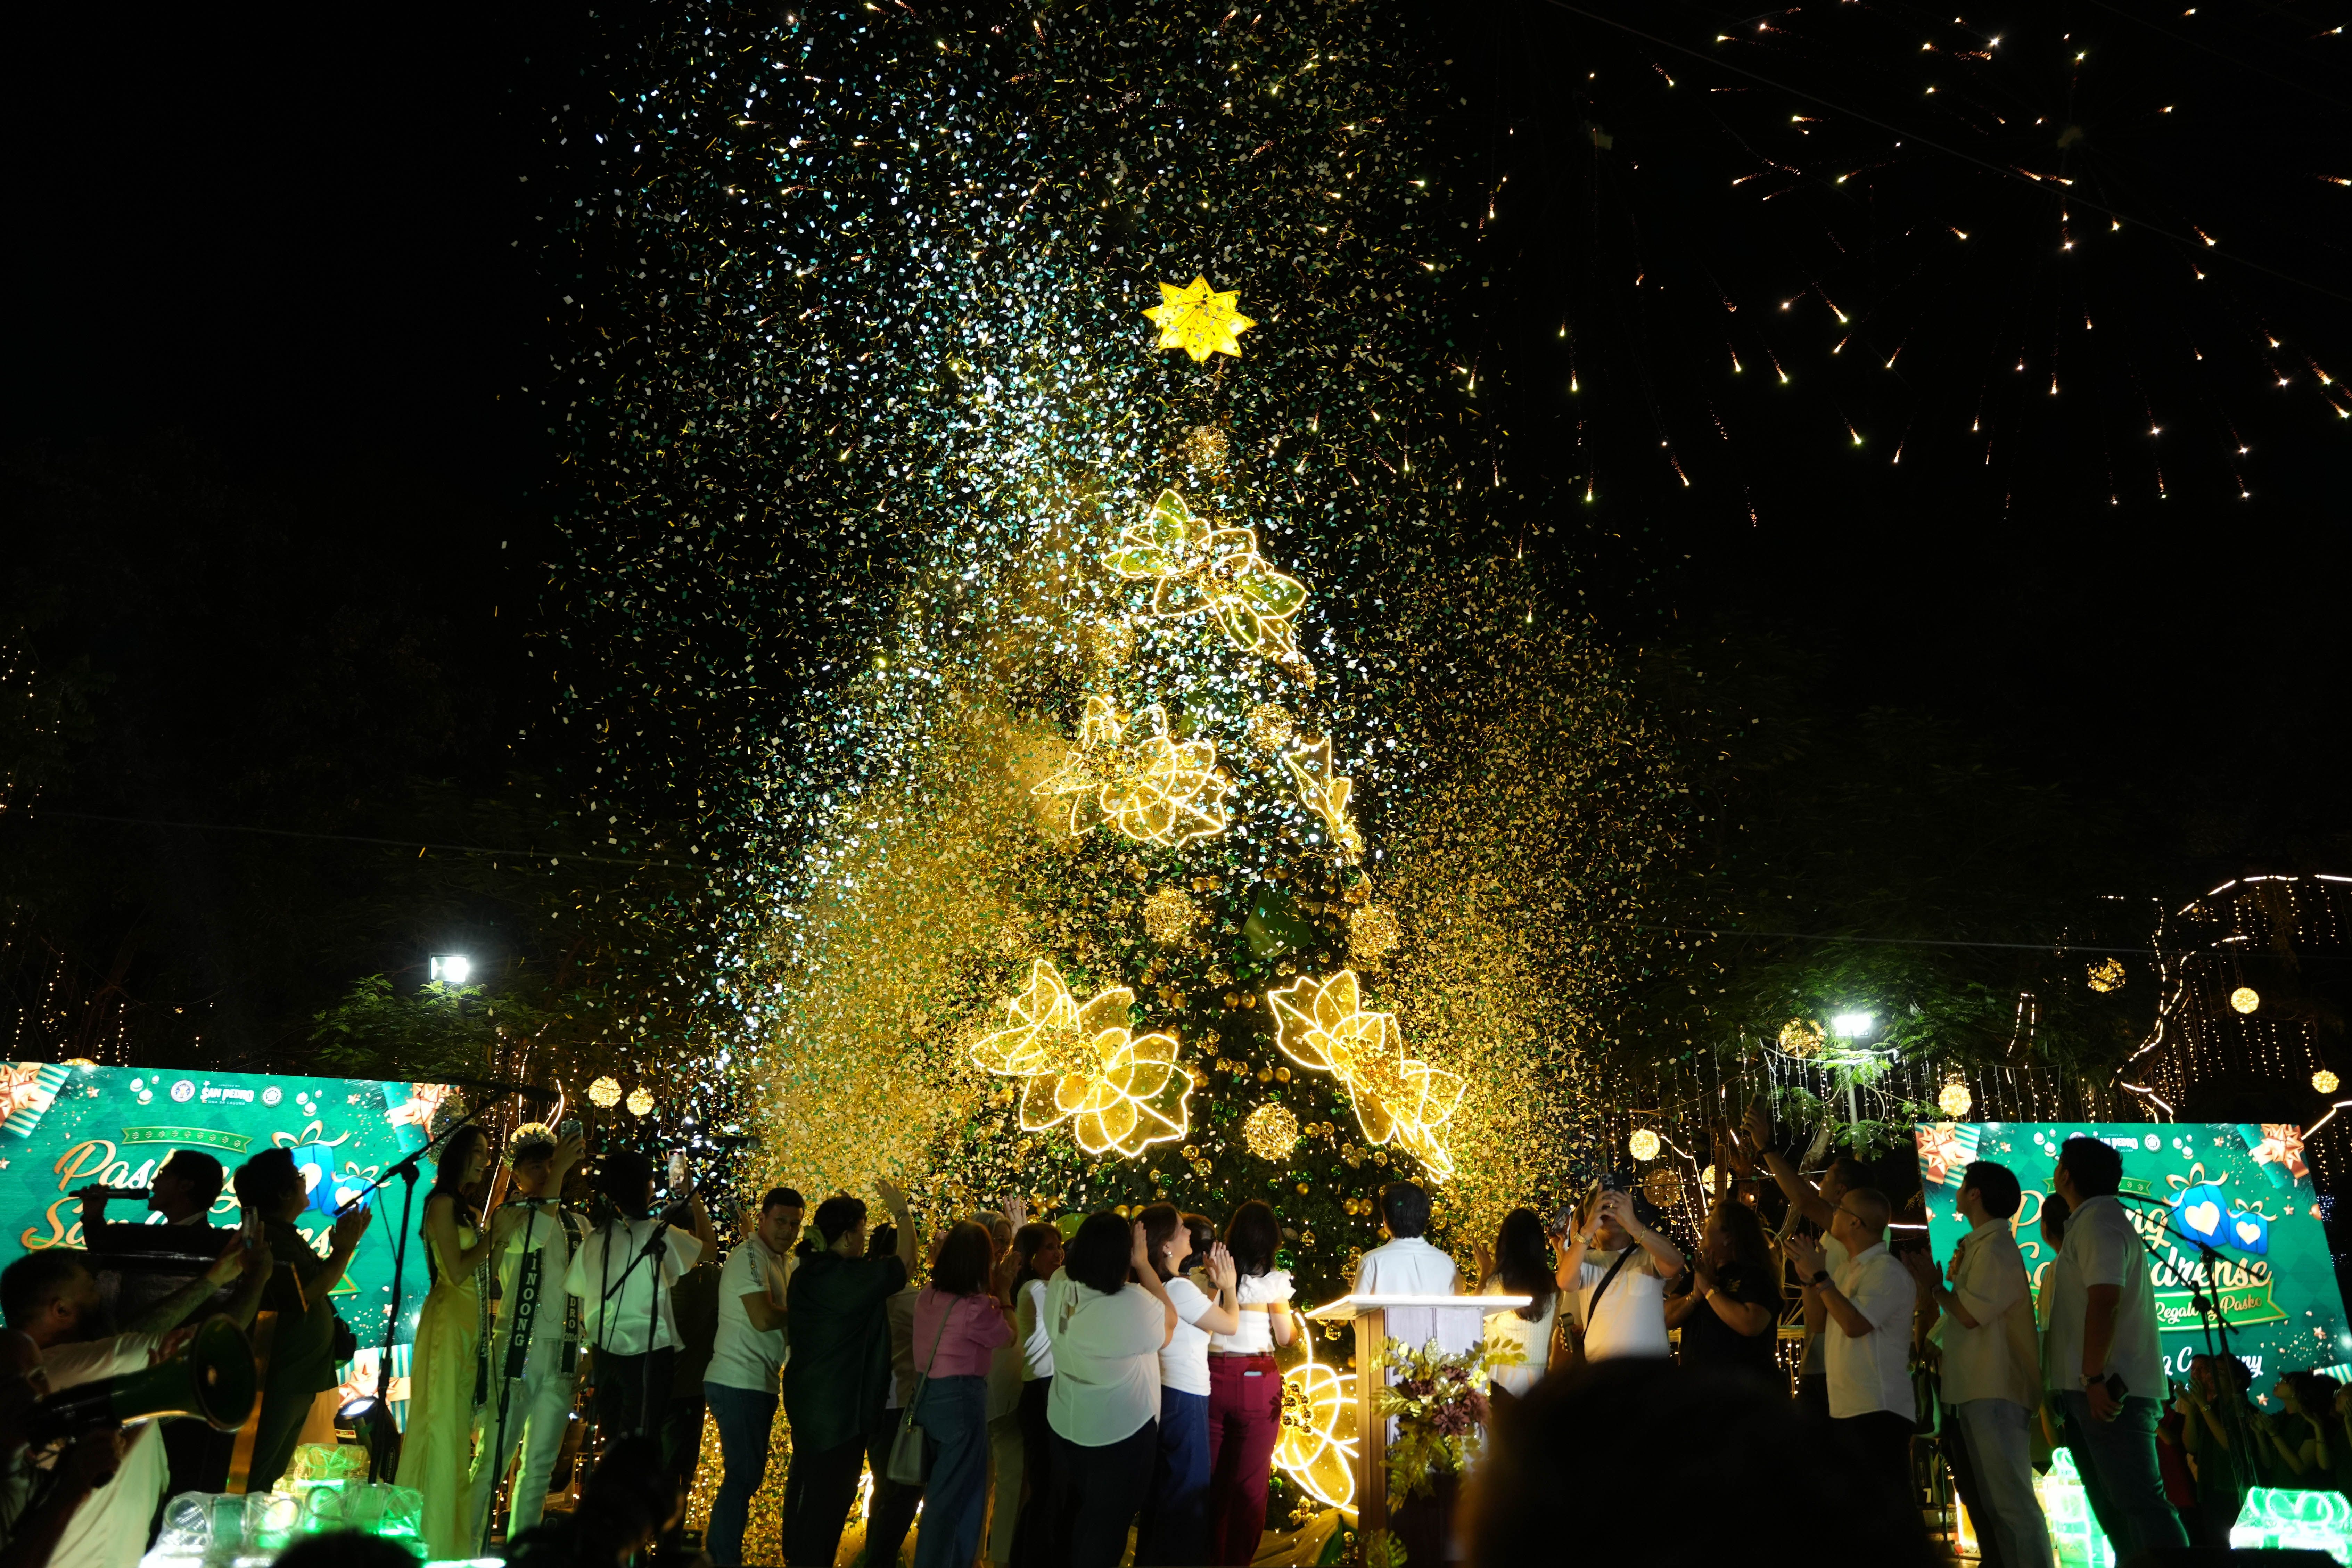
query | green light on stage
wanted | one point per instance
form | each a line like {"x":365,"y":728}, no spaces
{"x":2312,"y":1520}
{"x":2075,"y":1535}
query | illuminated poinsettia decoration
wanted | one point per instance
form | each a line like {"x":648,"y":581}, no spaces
{"x":1200,"y":567}
{"x":1322,"y":1025}
{"x":1122,"y":1092}
{"x":1316,"y":1447}
{"x":1324,"y":792}
{"x":1151,"y":788}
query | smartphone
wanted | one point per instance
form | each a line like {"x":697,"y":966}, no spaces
{"x":677,"y":1172}
{"x":1902,"y":1238}
{"x":568,"y":1128}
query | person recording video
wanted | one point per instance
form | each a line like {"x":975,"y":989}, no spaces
{"x":1615,"y":1270}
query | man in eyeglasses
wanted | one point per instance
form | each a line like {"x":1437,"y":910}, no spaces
{"x":1867,"y":1349}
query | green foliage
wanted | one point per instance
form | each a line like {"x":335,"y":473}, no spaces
{"x":436,"y":1032}
{"x":1439,"y":1401}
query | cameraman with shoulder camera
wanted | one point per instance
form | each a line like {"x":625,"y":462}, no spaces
{"x":57,"y":1328}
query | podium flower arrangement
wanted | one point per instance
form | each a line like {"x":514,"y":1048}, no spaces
{"x":1439,"y":1403}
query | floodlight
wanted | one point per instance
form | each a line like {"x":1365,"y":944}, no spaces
{"x":451,"y":968}
{"x":1852,"y":1026}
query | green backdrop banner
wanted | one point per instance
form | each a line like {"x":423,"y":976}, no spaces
{"x":64,"y":1126}
{"x":2242,"y":1189}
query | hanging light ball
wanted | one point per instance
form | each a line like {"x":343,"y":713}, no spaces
{"x":1707,"y":1181}
{"x":2326,"y":1082}
{"x":1800,"y":1037}
{"x":2246,"y":999}
{"x":1205,"y":447}
{"x":2106,"y":975}
{"x":1271,"y":728}
{"x":1644,"y":1145}
{"x":1955,"y":1100}
{"x":1270,"y":1132}
{"x":604,"y":1093}
{"x":1663,"y":1186}
{"x":641,"y":1100}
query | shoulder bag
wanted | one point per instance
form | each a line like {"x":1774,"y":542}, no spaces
{"x":1580,"y":1319}
{"x":907,"y":1455}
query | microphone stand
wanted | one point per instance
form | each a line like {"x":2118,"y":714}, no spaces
{"x":383,"y":1445}
{"x":2216,"y":1328}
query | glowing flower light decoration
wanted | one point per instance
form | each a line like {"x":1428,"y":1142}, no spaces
{"x":2106,"y":975}
{"x":1316,"y":1448}
{"x":1955,"y":1101}
{"x":1644,"y":1145}
{"x":604,"y":1093}
{"x":1197,"y":567}
{"x":640,"y":1100}
{"x":1083,"y":1065}
{"x":2326,"y":1082}
{"x":1322,"y":1025}
{"x":1271,"y":1131}
{"x":1154,"y":790}
{"x":2246,"y":999}
{"x":1802,"y":1038}
{"x":1199,"y":320}
{"x":1322,"y":792}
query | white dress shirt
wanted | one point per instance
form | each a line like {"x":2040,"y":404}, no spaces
{"x":1872,"y":1372}
{"x":2102,"y":1248}
{"x":1996,"y":1359}
{"x":1411,"y":1266}
{"x":624,"y":1298}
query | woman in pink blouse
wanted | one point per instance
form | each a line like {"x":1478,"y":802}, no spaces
{"x":959,"y":1325}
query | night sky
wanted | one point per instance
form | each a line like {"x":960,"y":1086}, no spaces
{"x":318,"y":256}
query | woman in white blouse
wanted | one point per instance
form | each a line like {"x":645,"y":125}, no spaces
{"x":1106,"y":1330}
{"x":1520,"y":1265}
{"x":1175,"y":1526}
{"x":1039,"y":1250}
{"x":1246,"y":1387}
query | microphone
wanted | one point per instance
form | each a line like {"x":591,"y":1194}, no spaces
{"x":126,"y":1194}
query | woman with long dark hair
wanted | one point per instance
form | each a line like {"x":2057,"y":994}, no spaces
{"x":1038,"y":1248}
{"x":1175,"y":1525}
{"x":1246,"y":1387}
{"x":1520,"y":1265}
{"x":447,"y":1377}
{"x":958,"y":1326}
{"x":1728,"y":1317}
{"x":1108,"y":1317}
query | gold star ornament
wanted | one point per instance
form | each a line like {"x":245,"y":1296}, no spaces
{"x":1199,"y":320}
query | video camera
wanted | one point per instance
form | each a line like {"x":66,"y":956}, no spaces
{"x":211,"y":1377}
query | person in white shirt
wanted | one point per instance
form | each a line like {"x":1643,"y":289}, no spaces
{"x":534,"y":1356}
{"x":623,"y":1274}
{"x":1174,"y":1529}
{"x":1869,"y":1303}
{"x":1107,"y":1332}
{"x":1245,"y":1386}
{"x":1813,"y":1206}
{"x":1616,"y":1270}
{"x":1991,"y":1365}
{"x":2104,"y":1365}
{"x":746,"y":1357}
{"x":1037,"y":1251}
{"x":1408,"y":1265}
{"x":1520,"y":1265}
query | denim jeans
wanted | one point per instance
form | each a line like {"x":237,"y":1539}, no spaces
{"x":2000,"y":1459}
{"x":953,"y":1413}
{"x":745,"y":1418}
{"x":2117,"y":1462}
{"x":1175,"y":1525}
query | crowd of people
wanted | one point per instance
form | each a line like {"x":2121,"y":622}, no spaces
{"x":1045,"y":1396}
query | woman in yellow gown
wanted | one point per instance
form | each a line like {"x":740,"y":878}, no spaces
{"x":437,"y":1453}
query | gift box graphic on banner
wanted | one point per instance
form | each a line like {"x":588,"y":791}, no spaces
{"x":63,"y":1127}
{"x":2226,"y":1207}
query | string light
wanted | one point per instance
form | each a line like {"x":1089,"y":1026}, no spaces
{"x":1955,"y":1101}
{"x":1156,"y":789}
{"x":1195,"y":567}
{"x":1322,"y":792}
{"x":2106,"y":975}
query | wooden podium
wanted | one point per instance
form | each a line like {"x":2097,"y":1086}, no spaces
{"x":1456,"y":1322}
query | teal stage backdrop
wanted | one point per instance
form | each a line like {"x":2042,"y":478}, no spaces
{"x":63,"y":1127}
{"x":2240,"y":1188}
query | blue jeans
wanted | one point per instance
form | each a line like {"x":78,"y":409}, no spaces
{"x":953,"y":1415}
{"x":2117,"y":1462}
{"x":746,"y":1418}
{"x":1175,"y":1524}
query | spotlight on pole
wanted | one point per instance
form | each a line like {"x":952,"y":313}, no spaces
{"x":1852,"y":1026}
{"x":451,"y":968}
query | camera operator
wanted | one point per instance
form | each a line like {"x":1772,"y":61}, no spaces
{"x":51,"y":1305}
{"x":30,"y":1526}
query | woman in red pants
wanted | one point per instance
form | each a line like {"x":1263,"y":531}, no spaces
{"x":1246,"y":1390}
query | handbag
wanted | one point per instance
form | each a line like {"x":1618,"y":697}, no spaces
{"x":909,"y":1455}
{"x":1578,"y":1322}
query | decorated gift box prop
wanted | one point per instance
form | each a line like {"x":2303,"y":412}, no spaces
{"x":1455,"y":1323}
{"x":220,"y":1531}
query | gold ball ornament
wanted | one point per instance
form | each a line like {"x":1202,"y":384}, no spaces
{"x":1707,"y":1181}
{"x":604,"y":1093}
{"x":1955,"y":1101}
{"x":2326,"y":1082}
{"x":1169,"y":916}
{"x":1270,"y":1132}
{"x":1109,"y":643}
{"x":1206,"y":449}
{"x":1374,"y":933}
{"x":2246,"y":999}
{"x":2103,"y":977}
{"x":1271,"y":728}
{"x":1663,"y":1186}
{"x":1800,"y":1037}
{"x":641,"y":1100}
{"x":1644,"y":1145}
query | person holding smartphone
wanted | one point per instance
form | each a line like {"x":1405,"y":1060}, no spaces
{"x":1615,"y":1270}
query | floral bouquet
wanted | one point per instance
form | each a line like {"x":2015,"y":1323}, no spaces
{"x":1439,"y":1401}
